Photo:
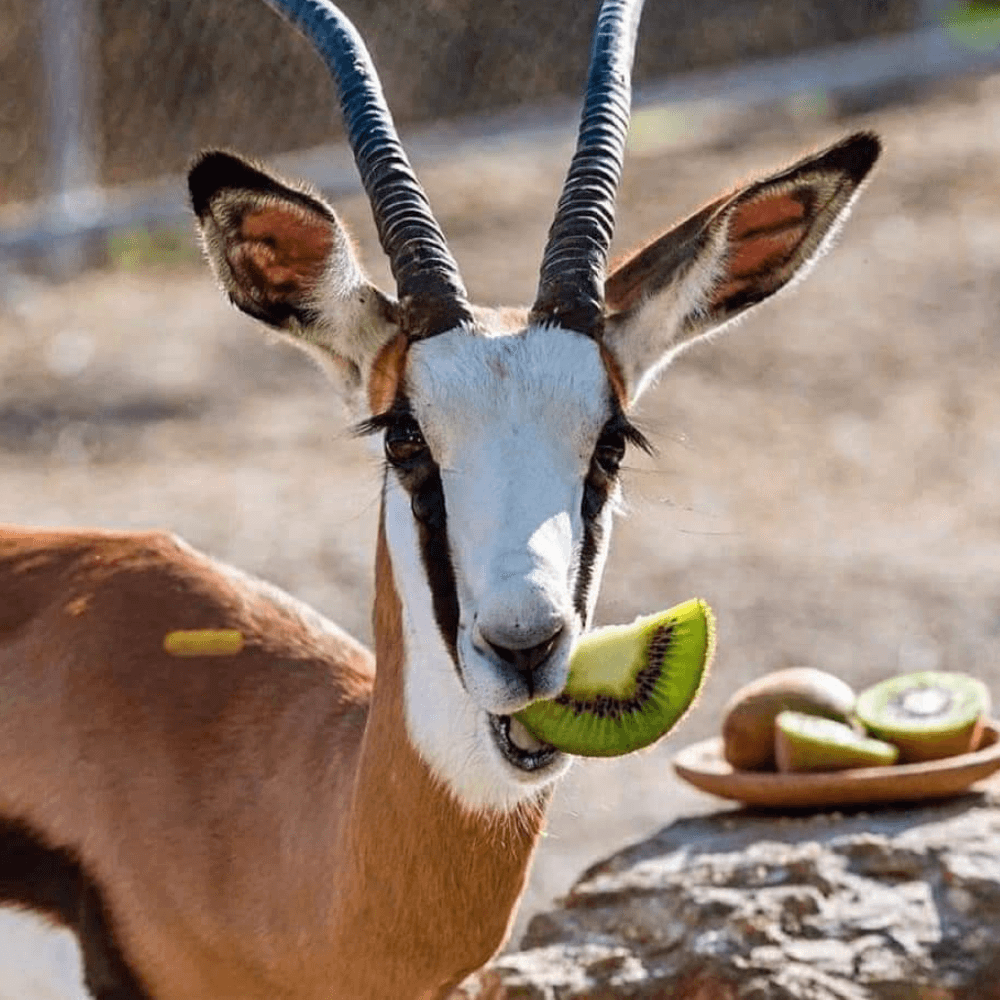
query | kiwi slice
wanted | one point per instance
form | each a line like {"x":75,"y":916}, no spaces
{"x":804,"y":742}
{"x":628,"y":684}
{"x":928,"y":715}
{"x":748,"y":718}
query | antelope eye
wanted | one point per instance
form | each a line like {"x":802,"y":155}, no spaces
{"x":609,"y":452}
{"x":404,"y":443}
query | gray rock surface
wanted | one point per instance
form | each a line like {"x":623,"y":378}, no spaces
{"x":895,"y":904}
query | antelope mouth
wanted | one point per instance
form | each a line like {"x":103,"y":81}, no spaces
{"x":519,"y":748}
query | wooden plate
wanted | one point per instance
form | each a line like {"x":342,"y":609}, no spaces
{"x":703,"y":765}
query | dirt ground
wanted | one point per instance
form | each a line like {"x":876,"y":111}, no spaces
{"x":828,"y":472}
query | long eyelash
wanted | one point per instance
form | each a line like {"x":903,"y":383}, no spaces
{"x":634,"y":436}
{"x":620,"y":424}
{"x":381,"y":421}
{"x":375,"y":424}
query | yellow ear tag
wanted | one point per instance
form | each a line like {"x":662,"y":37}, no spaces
{"x":203,"y":642}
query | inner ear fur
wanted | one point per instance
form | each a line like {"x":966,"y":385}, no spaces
{"x":282,"y":256}
{"x":731,"y":255}
{"x":269,"y":243}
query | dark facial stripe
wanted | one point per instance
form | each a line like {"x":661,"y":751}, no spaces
{"x":595,"y":496}
{"x":618,"y":432}
{"x":427,"y":503}
{"x":420,"y":476}
{"x":52,"y":881}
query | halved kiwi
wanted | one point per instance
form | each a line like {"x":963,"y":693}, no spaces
{"x":748,"y":718}
{"x":928,"y":715}
{"x":804,"y":742}
{"x":628,"y":684}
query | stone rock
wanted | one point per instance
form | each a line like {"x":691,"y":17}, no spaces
{"x":894,"y":904}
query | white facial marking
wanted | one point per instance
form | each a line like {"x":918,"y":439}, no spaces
{"x":38,"y":960}
{"x":450,"y":731}
{"x":512,"y":423}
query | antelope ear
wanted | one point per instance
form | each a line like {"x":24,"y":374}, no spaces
{"x":282,"y":256}
{"x":729,"y":257}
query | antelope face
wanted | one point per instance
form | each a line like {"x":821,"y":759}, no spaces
{"x":502,"y":460}
{"x":502,"y":436}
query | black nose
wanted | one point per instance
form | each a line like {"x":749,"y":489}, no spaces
{"x":526,"y":661}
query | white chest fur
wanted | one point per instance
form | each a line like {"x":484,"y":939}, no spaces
{"x":38,"y":960}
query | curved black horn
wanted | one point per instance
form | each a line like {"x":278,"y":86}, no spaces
{"x":425,"y":271}
{"x":571,"y":286}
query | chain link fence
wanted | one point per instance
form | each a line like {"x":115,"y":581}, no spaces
{"x":96,"y":94}
{"x":160,"y":79}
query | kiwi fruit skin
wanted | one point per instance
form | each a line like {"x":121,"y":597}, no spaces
{"x":906,"y":711}
{"x":804,"y":742}
{"x":628,"y":684}
{"x":748,"y":718}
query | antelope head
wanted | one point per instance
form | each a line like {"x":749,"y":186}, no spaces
{"x":503,"y":430}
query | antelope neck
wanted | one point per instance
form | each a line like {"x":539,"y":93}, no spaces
{"x":421,"y":859}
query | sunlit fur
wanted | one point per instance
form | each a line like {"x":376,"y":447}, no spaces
{"x":293,"y":821}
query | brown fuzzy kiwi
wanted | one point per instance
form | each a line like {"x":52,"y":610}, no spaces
{"x":928,"y":715}
{"x":748,"y":718}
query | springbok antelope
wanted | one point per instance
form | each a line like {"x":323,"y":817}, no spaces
{"x":302,"y":819}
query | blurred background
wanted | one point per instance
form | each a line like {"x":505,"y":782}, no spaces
{"x":828,"y":472}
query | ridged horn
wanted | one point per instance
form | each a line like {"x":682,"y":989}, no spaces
{"x":428,"y":283}
{"x":571,"y":284}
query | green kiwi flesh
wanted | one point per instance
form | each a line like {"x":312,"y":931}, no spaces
{"x":628,"y":684}
{"x":748,"y":717}
{"x":928,"y":715}
{"x":804,"y":742}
